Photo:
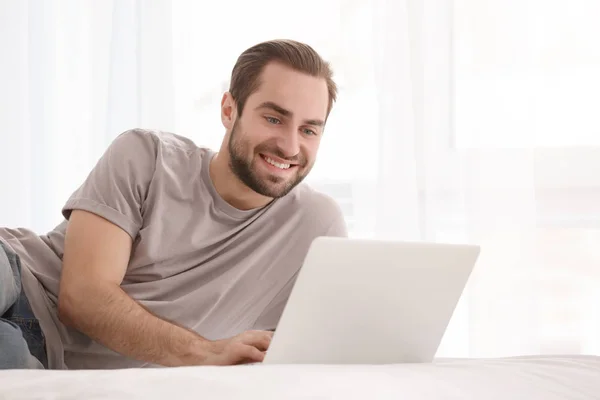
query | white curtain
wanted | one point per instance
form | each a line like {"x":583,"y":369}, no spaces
{"x":469,"y":121}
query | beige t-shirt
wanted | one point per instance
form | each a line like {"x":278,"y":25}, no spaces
{"x":196,"y":260}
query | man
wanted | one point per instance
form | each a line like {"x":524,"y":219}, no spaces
{"x":173,"y":255}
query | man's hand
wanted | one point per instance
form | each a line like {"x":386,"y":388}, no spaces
{"x":247,"y":347}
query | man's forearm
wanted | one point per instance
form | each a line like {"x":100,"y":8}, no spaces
{"x":110,"y":317}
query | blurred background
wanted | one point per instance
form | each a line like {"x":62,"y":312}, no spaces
{"x":467,"y":121}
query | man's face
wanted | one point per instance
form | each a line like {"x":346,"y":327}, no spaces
{"x":273,"y":145}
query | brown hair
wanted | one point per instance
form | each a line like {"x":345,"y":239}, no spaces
{"x":296,"y":55}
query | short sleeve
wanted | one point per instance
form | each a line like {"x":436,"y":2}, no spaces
{"x":327,"y":209}
{"x":338,"y":227}
{"x":118,"y":184}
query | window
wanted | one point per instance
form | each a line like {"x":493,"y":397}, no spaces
{"x":526,"y":73}
{"x":526,"y":94}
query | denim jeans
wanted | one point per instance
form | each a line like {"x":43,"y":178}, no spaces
{"x":22,"y":343}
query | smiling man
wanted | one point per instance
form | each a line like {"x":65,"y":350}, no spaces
{"x":173,"y":254}
{"x":274,"y":133}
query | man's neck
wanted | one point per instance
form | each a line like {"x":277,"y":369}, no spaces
{"x":231,"y":189}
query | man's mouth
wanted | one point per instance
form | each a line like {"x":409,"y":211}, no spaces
{"x":277,"y":164}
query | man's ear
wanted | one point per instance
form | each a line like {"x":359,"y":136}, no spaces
{"x":228,"y":110}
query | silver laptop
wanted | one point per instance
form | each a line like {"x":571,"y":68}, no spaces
{"x":371,"y":302}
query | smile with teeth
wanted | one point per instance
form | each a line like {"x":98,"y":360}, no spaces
{"x":275,"y":163}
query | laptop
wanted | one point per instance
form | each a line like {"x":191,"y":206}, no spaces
{"x":361,"y":301}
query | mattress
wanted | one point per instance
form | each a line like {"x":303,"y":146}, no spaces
{"x":531,"y":378}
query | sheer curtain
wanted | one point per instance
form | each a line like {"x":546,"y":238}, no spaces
{"x":469,"y":121}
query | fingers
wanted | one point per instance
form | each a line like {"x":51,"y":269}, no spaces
{"x":263,"y":344}
{"x":252,"y":354}
{"x":259,"y":333}
{"x":247,"y":347}
{"x":260,"y":339}
{"x":243,"y":353}
{"x":254,"y":344}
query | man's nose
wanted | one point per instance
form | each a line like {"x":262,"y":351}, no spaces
{"x":288,"y":143}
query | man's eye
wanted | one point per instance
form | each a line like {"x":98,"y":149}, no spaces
{"x":309,"y":132}
{"x":272,"y":120}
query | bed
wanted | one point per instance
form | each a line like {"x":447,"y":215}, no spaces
{"x":531,"y":378}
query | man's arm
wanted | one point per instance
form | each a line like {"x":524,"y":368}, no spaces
{"x":91,"y":300}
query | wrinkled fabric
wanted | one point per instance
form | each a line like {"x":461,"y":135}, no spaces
{"x":21,"y":340}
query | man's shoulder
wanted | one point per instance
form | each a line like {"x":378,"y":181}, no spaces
{"x":151,"y":150}
{"x":311,"y":199}
{"x":317,"y":208}
{"x":159,"y":138}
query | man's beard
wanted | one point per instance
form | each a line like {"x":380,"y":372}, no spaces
{"x":272,"y":186}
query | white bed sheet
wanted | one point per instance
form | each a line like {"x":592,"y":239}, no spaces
{"x":531,"y":378}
